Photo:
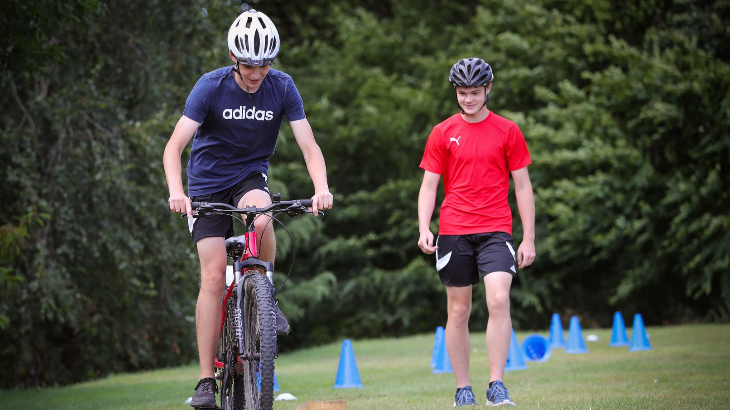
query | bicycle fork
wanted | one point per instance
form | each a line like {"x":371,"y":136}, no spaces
{"x":243,"y":351}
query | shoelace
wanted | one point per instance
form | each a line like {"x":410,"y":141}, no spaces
{"x":500,"y":393}
{"x":465,"y":396}
{"x":208,"y":386}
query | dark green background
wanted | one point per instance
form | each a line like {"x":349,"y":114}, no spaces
{"x":624,"y":105}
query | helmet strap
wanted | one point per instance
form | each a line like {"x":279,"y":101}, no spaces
{"x":464,"y":112}
{"x":237,"y":71}
{"x":244,"y":81}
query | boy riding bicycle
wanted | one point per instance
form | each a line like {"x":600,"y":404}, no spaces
{"x":235,"y":114}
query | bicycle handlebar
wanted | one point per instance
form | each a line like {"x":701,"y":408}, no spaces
{"x":293,"y":205}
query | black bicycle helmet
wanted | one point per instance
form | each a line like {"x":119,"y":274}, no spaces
{"x":471,"y":72}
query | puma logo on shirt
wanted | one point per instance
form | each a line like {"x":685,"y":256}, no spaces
{"x":456,"y":140}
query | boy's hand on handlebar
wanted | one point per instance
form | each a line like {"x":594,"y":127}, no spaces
{"x":322,"y":200}
{"x":180,"y":203}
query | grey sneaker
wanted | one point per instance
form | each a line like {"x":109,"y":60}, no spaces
{"x":205,"y":394}
{"x":282,"y":325}
{"x":465,"y":397}
{"x":498,"y":395}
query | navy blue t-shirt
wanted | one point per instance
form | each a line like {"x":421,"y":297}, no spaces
{"x":238,"y":130}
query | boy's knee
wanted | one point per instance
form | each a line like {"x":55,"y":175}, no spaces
{"x":264,"y":223}
{"x":498,"y":303}
{"x":212,"y":280}
{"x":460,"y":312}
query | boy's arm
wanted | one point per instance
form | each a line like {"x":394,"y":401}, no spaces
{"x":526,"y":206}
{"x":314,"y":159}
{"x":426,"y":204}
{"x":184,"y":131}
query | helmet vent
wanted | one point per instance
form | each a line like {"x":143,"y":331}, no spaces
{"x":273,"y":45}
{"x":262,"y":22}
{"x":245,"y":43}
{"x":248,"y":22}
{"x":256,"y":43}
{"x":266,"y":44}
{"x":237,"y":42}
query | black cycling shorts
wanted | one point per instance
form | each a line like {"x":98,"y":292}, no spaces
{"x":222,"y":225}
{"x":462,"y":260}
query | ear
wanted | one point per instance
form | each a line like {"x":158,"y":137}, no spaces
{"x":233,"y":58}
{"x":489,"y":88}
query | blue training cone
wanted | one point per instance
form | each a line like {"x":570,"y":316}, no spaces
{"x":536,"y":348}
{"x":443,"y":363}
{"x":639,"y":340}
{"x":347,"y":374}
{"x":618,"y":336}
{"x":258,"y":380}
{"x":557,"y":340}
{"x":515,"y":359}
{"x":438,"y":339}
{"x":576,"y":344}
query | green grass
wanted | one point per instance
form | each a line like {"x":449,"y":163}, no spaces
{"x":688,"y":367}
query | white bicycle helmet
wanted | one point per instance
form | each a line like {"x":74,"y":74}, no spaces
{"x":253,"y":39}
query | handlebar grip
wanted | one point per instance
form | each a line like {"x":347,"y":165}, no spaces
{"x":307,"y":203}
{"x":196,"y":204}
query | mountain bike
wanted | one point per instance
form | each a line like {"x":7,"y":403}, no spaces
{"x":244,"y":364}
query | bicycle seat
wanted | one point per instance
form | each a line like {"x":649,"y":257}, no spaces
{"x":236,"y":244}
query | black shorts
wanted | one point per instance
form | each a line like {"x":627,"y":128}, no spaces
{"x":221,"y":225}
{"x":462,"y":260}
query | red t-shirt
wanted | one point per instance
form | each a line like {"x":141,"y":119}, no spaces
{"x":475,"y":160}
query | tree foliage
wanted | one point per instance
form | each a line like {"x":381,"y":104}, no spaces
{"x":625,"y":108}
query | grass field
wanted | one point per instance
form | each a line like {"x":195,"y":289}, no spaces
{"x":687,"y":368}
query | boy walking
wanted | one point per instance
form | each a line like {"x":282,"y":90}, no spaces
{"x":476,"y":151}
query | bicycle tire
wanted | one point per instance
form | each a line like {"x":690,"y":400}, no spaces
{"x":260,"y":340}
{"x":232,"y":383}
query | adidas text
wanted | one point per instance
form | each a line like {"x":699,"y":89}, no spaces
{"x":241,"y":113}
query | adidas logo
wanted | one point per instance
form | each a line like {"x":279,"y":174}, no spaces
{"x":241,"y":113}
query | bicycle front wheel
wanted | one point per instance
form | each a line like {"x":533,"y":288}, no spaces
{"x":259,"y":336}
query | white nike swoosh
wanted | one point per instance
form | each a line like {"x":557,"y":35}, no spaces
{"x":512,"y":251}
{"x":441,"y":262}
